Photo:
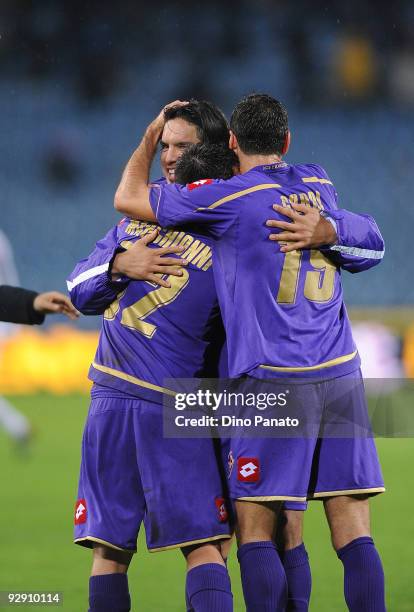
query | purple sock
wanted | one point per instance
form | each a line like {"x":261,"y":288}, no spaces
{"x":187,"y":600}
{"x":363,"y":576}
{"x":109,"y":593}
{"x":208,"y":589}
{"x":263,"y":577}
{"x":299,"y":578}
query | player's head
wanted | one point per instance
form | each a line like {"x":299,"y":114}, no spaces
{"x":259,"y":126}
{"x":204,"y":161}
{"x":198,"y":121}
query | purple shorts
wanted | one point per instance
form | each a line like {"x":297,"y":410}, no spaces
{"x":131,"y":474}
{"x":301,"y":468}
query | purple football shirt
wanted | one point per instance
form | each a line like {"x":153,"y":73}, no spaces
{"x":150,"y":333}
{"x":284,"y":313}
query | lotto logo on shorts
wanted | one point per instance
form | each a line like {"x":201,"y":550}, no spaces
{"x":222,"y":510}
{"x":248,"y":469}
{"x":197,"y":184}
{"x":80,"y":512}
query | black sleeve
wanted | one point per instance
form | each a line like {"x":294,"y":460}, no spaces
{"x":16,"y":306}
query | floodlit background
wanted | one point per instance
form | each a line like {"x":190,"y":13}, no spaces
{"x":79,"y":81}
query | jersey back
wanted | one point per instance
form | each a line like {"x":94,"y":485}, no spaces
{"x":151,"y":333}
{"x":284,"y":313}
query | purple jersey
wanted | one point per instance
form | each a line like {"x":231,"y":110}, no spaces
{"x":150,"y":333}
{"x":284,"y":313}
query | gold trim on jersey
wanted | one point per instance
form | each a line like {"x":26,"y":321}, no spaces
{"x":346,"y":492}
{"x":105,"y":543}
{"x":316,"y":179}
{"x":239,"y":194}
{"x":319,"y":366}
{"x":265,"y":498}
{"x":132,"y":379}
{"x":183,"y":544}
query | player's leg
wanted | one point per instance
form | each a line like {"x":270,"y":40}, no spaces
{"x":294,"y":557}
{"x":108,"y":584}
{"x":266,"y":472}
{"x":262,"y":575}
{"x":347,"y":472}
{"x":111,"y":502}
{"x":208,"y":587}
{"x":186,"y":508}
{"x":14,"y":422}
{"x":348,"y":518}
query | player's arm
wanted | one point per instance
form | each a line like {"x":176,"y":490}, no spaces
{"x":96,"y":281}
{"x":90,"y":285}
{"x":132,"y":195}
{"x":352,"y":241}
{"x":359,"y":246}
{"x":140,"y":262}
{"x":301,"y":227}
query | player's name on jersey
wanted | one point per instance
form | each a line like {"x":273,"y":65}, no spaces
{"x":309,"y":198}
{"x":196,"y":251}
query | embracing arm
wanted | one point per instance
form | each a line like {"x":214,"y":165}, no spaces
{"x":359,"y":246}
{"x":96,"y":281}
{"x":90,"y":285}
{"x":351,"y":241}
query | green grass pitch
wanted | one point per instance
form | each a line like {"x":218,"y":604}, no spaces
{"x":36,"y":513}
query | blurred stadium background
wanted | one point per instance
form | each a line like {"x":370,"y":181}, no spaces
{"x":79,"y":81}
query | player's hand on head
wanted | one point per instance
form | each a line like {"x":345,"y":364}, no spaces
{"x":159,"y":121}
{"x":54,"y":302}
{"x":141,"y":262}
{"x":304,"y":228}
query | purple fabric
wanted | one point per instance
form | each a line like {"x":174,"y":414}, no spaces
{"x":208,"y":589}
{"x":130,"y":473}
{"x":109,"y":593}
{"x":149,"y":333}
{"x":263,"y":577}
{"x":270,"y":318}
{"x":306,"y":467}
{"x":299,"y":579}
{"x":363,"y":576}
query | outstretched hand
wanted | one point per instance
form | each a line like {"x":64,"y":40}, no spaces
{"x":305,"y":229}
{"x":54,"y":302}
{"x":141,"y":262}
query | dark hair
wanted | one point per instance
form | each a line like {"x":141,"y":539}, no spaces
{"x":212,"y":126}
{"x":204,"y":161}
{"x":260,"y":124}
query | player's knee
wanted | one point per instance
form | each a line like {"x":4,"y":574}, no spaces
{"x":199,"y":554}
{"x":107,"y":560}
{"x":256,"y":522}
{"x":348,"y":519}
{"x":289,"y":529}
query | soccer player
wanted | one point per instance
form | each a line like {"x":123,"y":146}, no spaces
{"x":289,"y":320}
{"x":151,"y":331}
